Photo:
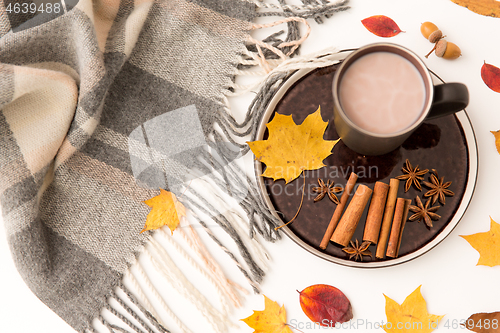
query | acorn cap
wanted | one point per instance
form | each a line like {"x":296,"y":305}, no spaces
{"x":441,"y":47}
{"x":435,"y":36}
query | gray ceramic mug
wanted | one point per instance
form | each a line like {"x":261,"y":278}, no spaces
{"x":440,"y":100}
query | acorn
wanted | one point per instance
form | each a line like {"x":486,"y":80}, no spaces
{"x":447,"y":50}
{"x":442,"y":48}
{"x":430,"y":31}
{"x":427,"y":28}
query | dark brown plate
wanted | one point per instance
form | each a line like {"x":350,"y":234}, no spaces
{"x":446,"y":144}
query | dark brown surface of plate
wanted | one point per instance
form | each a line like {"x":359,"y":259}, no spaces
{"x":437,"y":144}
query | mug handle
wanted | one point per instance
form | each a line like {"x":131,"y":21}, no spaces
{"x":448,"y":98}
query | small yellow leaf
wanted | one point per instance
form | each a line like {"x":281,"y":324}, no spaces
{"x":497,"y":139}
{"x":271,"y":320}
{"x":411,"y":316}
{"x":166,"y":210}
{"x":487,"y":244}
{"x":292,"y":148}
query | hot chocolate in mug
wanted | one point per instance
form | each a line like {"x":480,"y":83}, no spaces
{"x":382,"y":92}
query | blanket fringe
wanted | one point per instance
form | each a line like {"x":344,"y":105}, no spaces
{"x":164,"y":264}
{"x":145,"y":280}
{"x":150,"y":301}
{"x":126,"y":314}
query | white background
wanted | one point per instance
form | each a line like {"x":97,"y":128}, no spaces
{"x":451,"y":282}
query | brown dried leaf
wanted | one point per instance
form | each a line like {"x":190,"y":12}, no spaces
{"x":483,"y":7}
{"x":483,"y":322}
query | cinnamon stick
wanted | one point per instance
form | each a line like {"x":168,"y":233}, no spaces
{"x":403,"y":223}
{"x":375,"y":212}
{"x":349,"y":221}
{"x":397,"y":225}
{"x":385,"y":229}
{"x":339,"y":210}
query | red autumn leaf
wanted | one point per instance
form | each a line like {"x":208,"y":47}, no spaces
{"x":491,"y":76}
{"x":325,"y":305}
{"x":381,"y":26}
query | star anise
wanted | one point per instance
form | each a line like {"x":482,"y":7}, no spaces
{"x":325,"y":189}
{"x":438,"y":189}
{"x":424,"y":212}
{"x":358,"y":251}
{"x":412,"y":176}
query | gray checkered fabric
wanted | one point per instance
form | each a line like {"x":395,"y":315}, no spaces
{"x":100,"y":106}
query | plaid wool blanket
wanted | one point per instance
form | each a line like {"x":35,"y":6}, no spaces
{"x":102,"y":103}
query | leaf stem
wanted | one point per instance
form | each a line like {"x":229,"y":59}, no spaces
{"x":293,"y":327}
{"x":300,"y":206}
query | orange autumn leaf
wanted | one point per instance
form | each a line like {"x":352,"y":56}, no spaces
{"x":497,"y":139}
{"x":271,"y":320}
{"x":291,"y":148}
{"x":325,"y":305}
{"x":411,"y":316}
{"x":381,"y":26}
{"x":483,"y":322}
{"x":483,"y":7}
{"x":491,"y":76}
{"x":166,"y":210}
{"x":487,"y":244}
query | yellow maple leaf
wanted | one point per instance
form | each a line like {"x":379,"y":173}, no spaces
{"x":497,"y":139}
{"x":411,"y":316}
{"x":271,"y":320}
{"x":487,"y":244}
{"x":166,"y":210}
{"x":292,"y":148}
